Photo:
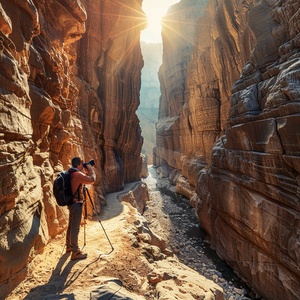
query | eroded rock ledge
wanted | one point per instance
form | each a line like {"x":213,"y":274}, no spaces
{"x":231,"y":140}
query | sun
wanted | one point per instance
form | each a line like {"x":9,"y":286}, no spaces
{"x":154,"y":20}
{"x":155,"y":10}
{"x":153,"y":30}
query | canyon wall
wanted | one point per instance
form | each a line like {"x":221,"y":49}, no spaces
{"x":228,"y":135}
{"x":179,"y":33}
{"x":69,"y":86}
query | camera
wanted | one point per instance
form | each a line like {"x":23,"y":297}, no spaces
{"x":91,"y":162}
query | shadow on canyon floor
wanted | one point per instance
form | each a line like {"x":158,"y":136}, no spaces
{"x":114,"y":207}
{"x":60,"y":279}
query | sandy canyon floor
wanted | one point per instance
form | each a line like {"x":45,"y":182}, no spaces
{"x":140,"y":265}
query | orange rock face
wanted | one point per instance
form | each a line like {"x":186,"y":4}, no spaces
{"x":69,"y":85}
{"x":229,"y":123}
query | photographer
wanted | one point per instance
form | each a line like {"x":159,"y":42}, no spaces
{"x":78,"y":178}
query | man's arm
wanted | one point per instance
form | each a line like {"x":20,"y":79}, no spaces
{"x":89,"y":178}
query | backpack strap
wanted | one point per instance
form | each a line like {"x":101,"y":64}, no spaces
{"x":77,"y":192}
{"x":74,"y":170}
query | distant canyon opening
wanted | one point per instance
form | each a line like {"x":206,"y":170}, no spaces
{"x":149,"y":96}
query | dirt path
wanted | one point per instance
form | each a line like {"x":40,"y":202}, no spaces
{"x":53,"y":275}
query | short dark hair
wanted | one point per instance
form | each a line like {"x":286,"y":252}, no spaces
{"x":76,"y":161}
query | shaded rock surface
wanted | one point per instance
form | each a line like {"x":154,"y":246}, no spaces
{"x":228,"y":135}
{"x":69,"y":86}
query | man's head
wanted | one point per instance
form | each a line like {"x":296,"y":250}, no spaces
{"x":77,"y":163}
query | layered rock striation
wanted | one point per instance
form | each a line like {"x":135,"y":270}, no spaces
{"x":233,"y":136}
{"x":179,"y":39}
{"x":69,"y":86}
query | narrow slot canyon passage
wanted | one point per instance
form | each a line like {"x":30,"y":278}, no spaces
{"x":209,"y":96}
{"x":171,"y":216}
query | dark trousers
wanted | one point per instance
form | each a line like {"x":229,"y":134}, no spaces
{"x":75,"y":213}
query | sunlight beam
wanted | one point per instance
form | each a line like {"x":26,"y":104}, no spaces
{"x":155,"y":11}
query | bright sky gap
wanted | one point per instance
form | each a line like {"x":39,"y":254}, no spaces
{"x":155,"y":10}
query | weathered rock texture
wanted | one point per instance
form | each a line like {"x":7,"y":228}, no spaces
{"x":179,"y":38}
{"x":229,"y":124}
{"x":60,"y":98}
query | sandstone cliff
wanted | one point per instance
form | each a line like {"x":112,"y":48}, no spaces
{"x":229,"y":124}
{"x":59,"y":98}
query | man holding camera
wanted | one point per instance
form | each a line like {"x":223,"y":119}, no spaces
{"x":78,"y":179}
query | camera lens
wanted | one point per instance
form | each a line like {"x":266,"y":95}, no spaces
{"x":91,"y":162}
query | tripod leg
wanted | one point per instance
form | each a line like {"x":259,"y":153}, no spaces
{"x":85,"y":215}
{"x":94,"y":209}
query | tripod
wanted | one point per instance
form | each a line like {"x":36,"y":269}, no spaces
{"x":86,"y":192}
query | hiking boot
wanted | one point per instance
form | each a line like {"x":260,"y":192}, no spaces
{"x":78,"y":255}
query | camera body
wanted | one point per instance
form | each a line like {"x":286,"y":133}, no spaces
{"x":91,"y":162}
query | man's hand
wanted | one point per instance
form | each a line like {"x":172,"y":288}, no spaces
{"x":91,"y":172}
